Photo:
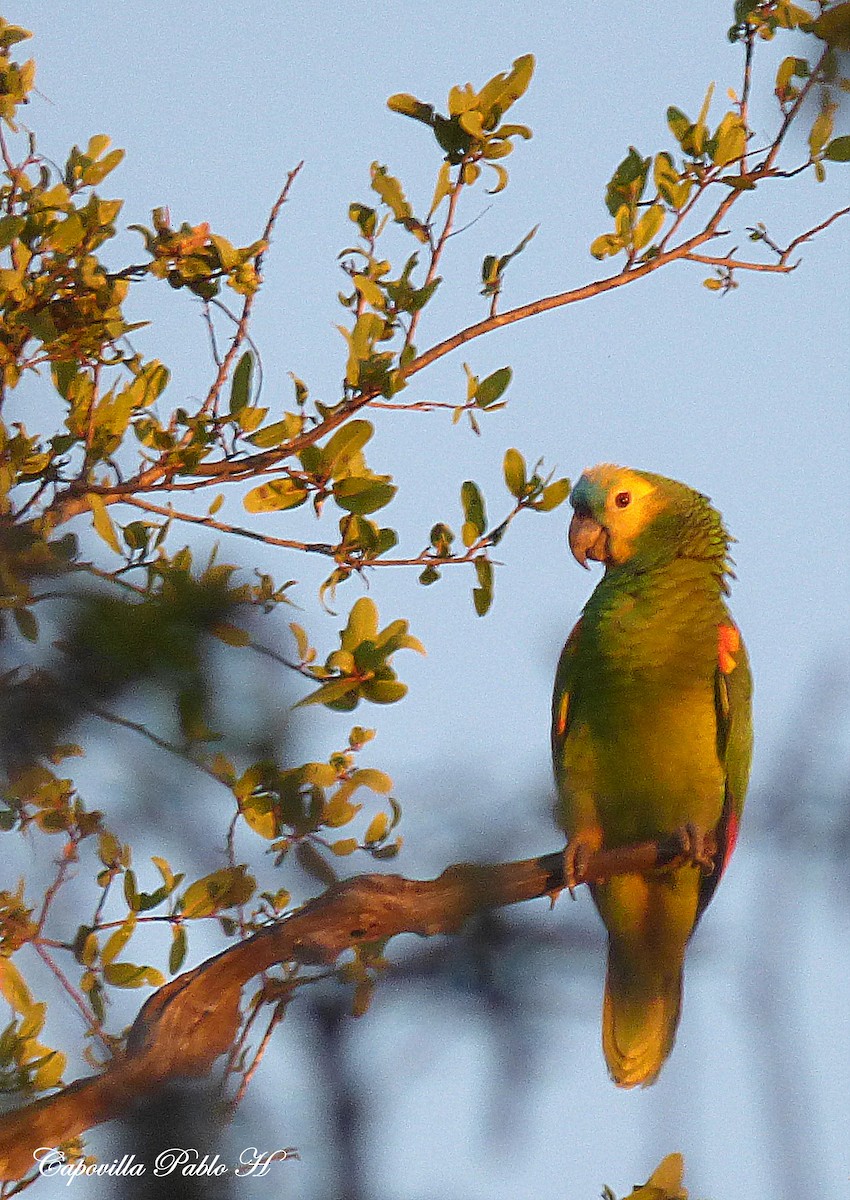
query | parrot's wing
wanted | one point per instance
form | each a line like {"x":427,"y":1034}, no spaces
{"x":565,"y":682}
{"x":732,"y":692}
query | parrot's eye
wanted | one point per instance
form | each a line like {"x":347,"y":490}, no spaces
{"x":623,"y":499}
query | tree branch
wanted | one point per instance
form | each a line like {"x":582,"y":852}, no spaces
{"x":188,"y":1023}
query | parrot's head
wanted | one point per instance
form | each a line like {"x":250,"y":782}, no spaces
{"x":622,"y":516}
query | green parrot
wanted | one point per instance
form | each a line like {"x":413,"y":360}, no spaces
{"x":651,"y":737}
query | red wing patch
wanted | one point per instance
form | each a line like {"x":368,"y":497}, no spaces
{"x":733,"y":824}
{"x":726,"y":833}
{"x":728,"y":645}
{"x":562,"y":715}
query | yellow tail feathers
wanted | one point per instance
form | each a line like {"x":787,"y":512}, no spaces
{"x":640,"y":1014}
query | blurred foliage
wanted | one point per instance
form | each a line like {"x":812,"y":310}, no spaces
{"x":118,"y":613}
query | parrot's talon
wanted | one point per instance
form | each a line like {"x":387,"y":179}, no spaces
{"x":694,"y":845}
{"x":576,"y":861}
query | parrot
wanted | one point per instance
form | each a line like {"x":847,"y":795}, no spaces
{"x":651,"y":738}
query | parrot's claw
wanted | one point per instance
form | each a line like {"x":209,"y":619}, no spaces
{"x":576,"y":859}
{"x":695,"y":847}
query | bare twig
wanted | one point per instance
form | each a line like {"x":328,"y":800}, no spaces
{"x":224,"y":527}
{"x":738,"y":264}
{"x":437,"y":251}
{"x":242,"y":328}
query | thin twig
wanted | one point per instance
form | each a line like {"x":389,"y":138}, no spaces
{"x":224,"y":527}
{"x":810,"y":233}
{"x":77,"y":997}
{"x":242,"y":327}
{"x":736,"y":264}
{"x":162,"y":743}
{"x":275,"y":1019}
{"x":437,"y":252}
{"x":69,"y":856}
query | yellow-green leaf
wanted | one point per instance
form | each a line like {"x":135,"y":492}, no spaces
{"x":336,"y":689}
{"x":833,"y":26}
{"x":179,"y":946}
{"x":377,"y":828}
{"x":103,"y":522}
{"x":275,"y":496}
{"x":127,"y":975}
{"x":443,"y":188}
{"x":515,"y":474}
{"x":606,"y":245}
{"x":13,"y":986}
{"x":648,"y":226}
{"x":117,"y":940}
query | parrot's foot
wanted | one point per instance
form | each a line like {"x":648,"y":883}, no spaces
{"x":577,"y":855}
{"x":696,"y":847}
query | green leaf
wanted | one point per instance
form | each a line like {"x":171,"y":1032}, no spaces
{"x":482,"y":596}
{"x":838,"y":149}
{"x":222,"y":889}
{"x":68,"y":234}
{"x":384,"y":691}
{"x":276,"y":433}
{"x":240,"y":388}
{"x":363,"y":496}
{"x":10,"y":228}
{"x":26,"y":623}
{"x":475,"y":516}
{"x":490,"y":389}
{"x":345,"y":443}
{"x":679,"y":124}
{"x":127,"y":975}
{"x":553,"y":495}
{"x":627,"y":183}
{"x":179,"y":946}
{"x":833,"y":27}
{"x":515,"y":474}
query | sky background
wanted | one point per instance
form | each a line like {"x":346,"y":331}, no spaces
{"x":744,"y":397}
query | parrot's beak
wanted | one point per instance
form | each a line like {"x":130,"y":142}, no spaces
{"x":588,"y":539}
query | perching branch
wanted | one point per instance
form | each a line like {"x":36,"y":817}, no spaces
{"x":188,"y":1023}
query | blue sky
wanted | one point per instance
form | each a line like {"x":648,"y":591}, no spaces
{"x":745,"y":397}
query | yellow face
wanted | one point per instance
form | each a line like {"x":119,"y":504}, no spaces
{"x":613,"y":505}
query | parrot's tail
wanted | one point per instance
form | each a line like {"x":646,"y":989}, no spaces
{"x":640,"y":1014}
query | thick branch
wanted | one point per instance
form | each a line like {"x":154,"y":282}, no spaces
{"x":191,"y":1021}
